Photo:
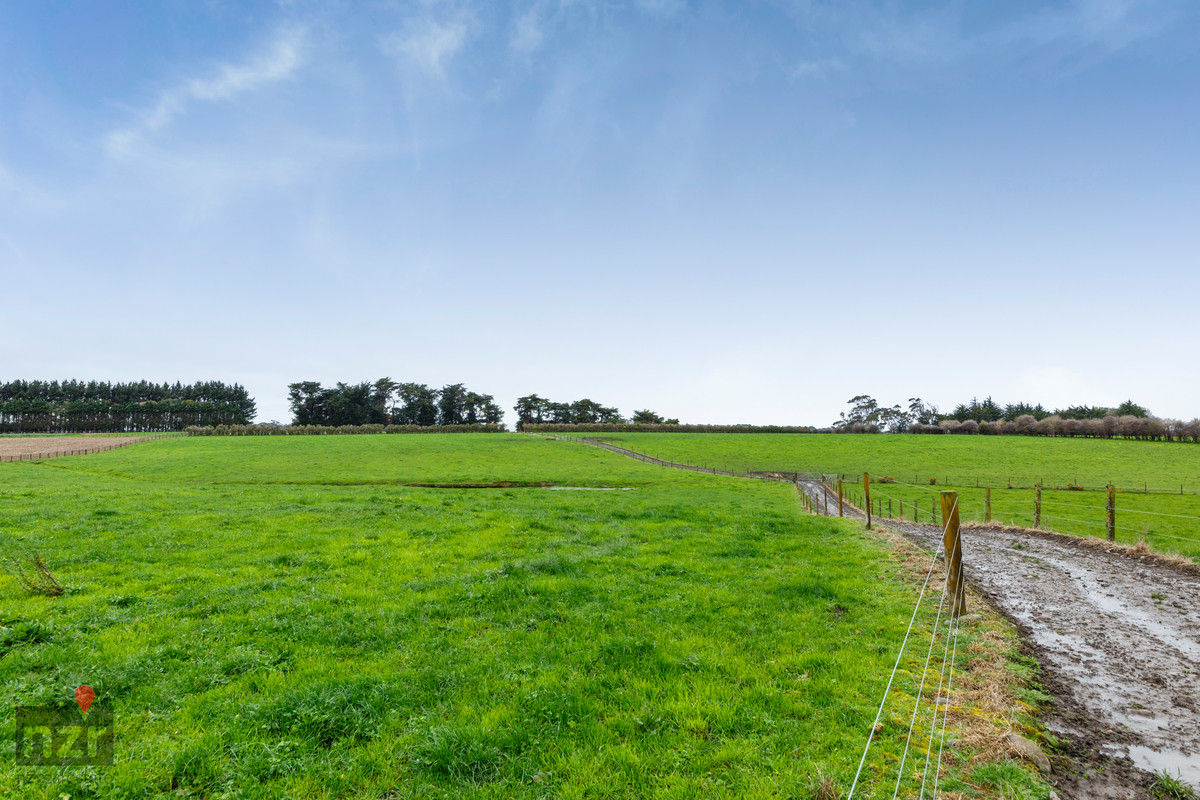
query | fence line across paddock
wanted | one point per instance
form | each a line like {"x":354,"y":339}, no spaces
{"x":954,"y":587}
{"x":1039,"y":511}
{"x":1012,"y":511}
{"x":82,"y":451}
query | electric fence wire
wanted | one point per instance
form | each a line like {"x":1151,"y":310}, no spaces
{"x":946,"y":716}
{"x":1125,"y":510}
{"x":892,"y":677}
{"x":925,"y":671}
{"x":941,"y":681}
{"x":896,"y":666}
{"x":912,"y":485}
{"x":1049,"y":520}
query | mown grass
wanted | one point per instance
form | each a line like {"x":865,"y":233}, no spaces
{"x":1169,"y":522}
{"x":697,"y":637}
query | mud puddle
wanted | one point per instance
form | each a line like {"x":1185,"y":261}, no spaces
{"x":1120,"y":633}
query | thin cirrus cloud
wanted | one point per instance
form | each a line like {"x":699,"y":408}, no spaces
{"x":281,"y":58}
{"x":428,"y":44}
{"x":1060,"y":32}
{"x":528,"y":35}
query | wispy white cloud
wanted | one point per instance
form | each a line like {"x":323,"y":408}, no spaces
{"x":282,"y":56}
{"x":662,"y":8}
{"x":528,"y":33}
{"x":1071,"y":33}
{"x":429,"y":44}
{"x":1091,"y":29}
{"x":816,"y":68}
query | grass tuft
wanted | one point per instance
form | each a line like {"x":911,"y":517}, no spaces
{"x":1169,"y":787}
{"x":325,"y":713}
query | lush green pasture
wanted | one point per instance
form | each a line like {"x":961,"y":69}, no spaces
{"x":1168,"y":521}
{"x":696,"y":637}
{"x":990,"y":460}
{"x":368,"y":459}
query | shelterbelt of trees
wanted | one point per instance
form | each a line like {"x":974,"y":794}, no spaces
{"x":1126,"y":421}
{"x":76,"y":406}
{"x":534,"y":410}
{"x":388,"y":402}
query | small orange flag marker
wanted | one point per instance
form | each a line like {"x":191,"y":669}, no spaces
{"x":84,"y":695}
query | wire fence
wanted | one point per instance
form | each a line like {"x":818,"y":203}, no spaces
{"x":1042,"y":509}
{"x":81,"y":451}
{"x":1016,"y":512}
{"x":934,"y":482}
{"x":923,"y":715}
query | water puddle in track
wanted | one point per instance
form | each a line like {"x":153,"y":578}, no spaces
{"x":1176,"y":764}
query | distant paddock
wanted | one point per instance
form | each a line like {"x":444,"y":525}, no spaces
{"x":24,"y":448}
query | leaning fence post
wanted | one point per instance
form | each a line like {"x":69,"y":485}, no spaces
{"x":825,"y":489}
{"x":1037,"y":506}
{"x":952,"y":547}
{"x":987,"y":494}
{"x":841,"y":513}
{"x":1110,"y":508}
{"x":867,"y":496}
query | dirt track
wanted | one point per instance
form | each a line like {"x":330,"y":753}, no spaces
{"x":16,"y":448}
{"x":1118,"y":638}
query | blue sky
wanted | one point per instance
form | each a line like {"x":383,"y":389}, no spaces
{"x":726,"y":212}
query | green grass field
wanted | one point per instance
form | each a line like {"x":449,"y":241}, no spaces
{"x":991,"y":460}
{"x":382,"y":460}
{"x":283,"y":617}
{"x":1167,"y":520}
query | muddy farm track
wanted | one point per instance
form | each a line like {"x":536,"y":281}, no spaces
{"x":1117,"y":634}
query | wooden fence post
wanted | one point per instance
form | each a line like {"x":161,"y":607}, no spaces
{"x":867,"y":495}
{"x":1110,"y":509}
{"x":952,"y":546}
{"x":841,"y":513}
{"x":1037,"y":506}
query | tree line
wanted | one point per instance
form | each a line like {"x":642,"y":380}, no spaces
{"x":989,"y":410}
{"x":275,"y":429}
{"x":75,"y":406}
{"x":631,"y":427}
{"x":387,"y":402}
{"x":534,"y":410}
{"x":1127,"y":420}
